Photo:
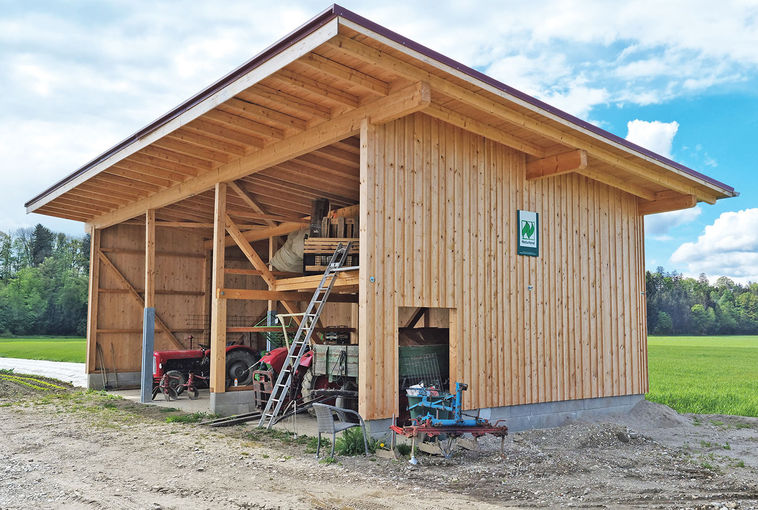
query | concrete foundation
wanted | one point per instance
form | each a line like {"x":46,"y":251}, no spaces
{"x":232,"y":402}
{"x":543,"y":415}
{"x":126,"y":380}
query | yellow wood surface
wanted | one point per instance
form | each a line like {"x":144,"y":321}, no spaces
{"x":437,"y":229}
{"x":218,"y":306}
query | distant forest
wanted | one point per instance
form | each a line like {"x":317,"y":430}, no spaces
{"x":43,"y":291}
{"x":43,"y":283}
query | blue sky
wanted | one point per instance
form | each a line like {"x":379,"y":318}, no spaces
{"x":680,"y":78}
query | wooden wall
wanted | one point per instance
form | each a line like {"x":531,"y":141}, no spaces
{"x":180,"y":284}
{"x":438,"y":210}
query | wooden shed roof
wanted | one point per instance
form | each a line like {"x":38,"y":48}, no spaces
{"x":284,"y":126}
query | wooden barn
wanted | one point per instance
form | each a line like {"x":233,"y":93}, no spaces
{"x":476,"y":209}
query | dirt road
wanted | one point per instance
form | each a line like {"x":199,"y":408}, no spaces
{"x":92,"y":451}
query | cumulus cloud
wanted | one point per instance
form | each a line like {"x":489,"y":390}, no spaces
{"x":656,"y":135}
{"x":727,"y":247}
{"x":659,"y":225}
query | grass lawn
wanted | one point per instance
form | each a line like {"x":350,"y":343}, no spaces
{"x":711,"y":374}
{"x":53,"y":348}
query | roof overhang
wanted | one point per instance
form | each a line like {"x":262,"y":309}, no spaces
{"x":312,"y":88}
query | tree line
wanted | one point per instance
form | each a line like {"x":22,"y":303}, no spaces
{"x":686,"y":306}
{"x":43,"y":282}
{"x":44,"y":277}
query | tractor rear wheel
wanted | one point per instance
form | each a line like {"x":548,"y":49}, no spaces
{"x":238,"y":363}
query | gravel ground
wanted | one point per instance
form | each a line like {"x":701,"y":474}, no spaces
{"x":90,"y":450}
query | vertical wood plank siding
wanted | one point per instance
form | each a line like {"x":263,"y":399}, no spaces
{"x":438,"y":214}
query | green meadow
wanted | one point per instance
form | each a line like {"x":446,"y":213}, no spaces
{"x":50,"y":348}
{"x":710,"y":375}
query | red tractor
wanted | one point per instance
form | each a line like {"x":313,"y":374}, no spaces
{"x":179,"y":364}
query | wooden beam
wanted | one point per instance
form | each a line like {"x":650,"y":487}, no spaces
{"x":396,"y":104}
{"x":617,"y":182}
{"x":150,"y":258}
{"x":665,"y":202}
{"x":674,"y":179}
{"x":158,"y":321}
{"x":272,"y":295}
{"x":218,"y":306}
{"x":249,"y":201}
{"x":343,"y":72}
{"x":482,"y":129}
{"x":256,"y":261}
{"x":244,"y":124}
{"x":255,"y":272}
{"x":416,"y":317}
{"x":557,"y":164}
{"x":343,"y":279}
{"x":92,"y":302}
{"x":249,"y":252}
{"x":267,"y":114}
{"x":316,"y":87}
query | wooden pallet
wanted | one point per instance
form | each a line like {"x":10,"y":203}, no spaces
{"x":318,"y":251}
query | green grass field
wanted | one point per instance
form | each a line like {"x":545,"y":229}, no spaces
{"x":50,"y":348}
{"x":711,"y":375}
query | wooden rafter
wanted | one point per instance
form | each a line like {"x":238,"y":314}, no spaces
{"x":223,"y":132}
{"x":294,"y":103}
{"x":343,"y":72}
{"x":249,"y":200}
{"x":244,"y":124}
{"x":557,"y":164}
{"x":209,"y":142}
{"x":666,"y":201}
{"x":316,"y":87}
{"x":158,"y":321}
{"x":265,"y":114}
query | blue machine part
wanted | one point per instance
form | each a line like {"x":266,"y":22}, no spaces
{"x":445,"y":402}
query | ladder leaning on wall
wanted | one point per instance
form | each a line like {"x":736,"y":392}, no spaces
{"x":303,"y":335}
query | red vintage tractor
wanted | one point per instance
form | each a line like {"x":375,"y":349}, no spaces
{"x":179,"y":364}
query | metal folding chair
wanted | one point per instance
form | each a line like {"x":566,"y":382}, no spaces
{"x":326,"y":414}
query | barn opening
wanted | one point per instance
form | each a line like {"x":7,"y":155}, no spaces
{"x":423,"y":340}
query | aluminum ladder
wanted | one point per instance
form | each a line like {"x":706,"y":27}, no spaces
{"x":304,"y":332}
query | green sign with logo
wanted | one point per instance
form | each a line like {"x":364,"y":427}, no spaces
{"x":528,"y":234}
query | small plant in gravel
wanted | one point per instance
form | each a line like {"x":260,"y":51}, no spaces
{"x":351,"y":443}
{"x":327,"y":460}
{"x":727,"y":446}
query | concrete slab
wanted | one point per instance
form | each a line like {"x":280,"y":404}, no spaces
{"x":183,"y":403}
{"x":68,"y":372}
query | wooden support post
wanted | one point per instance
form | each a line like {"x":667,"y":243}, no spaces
{"x":92,"y":304}
{"x":218,"y":306}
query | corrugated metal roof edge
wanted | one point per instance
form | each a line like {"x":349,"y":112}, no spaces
{"x":321,"y":19}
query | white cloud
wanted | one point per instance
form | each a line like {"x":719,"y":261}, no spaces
{"x":656,"y":136}
{"x":78,"y":80}
{"x":727,"y":247}
{"x":659,"y":225}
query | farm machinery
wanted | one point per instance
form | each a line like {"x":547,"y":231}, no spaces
{"x":173,"y":370}
{"x":445,"y":421}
